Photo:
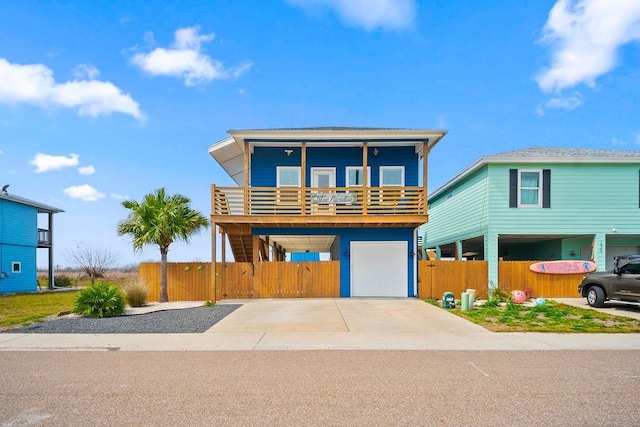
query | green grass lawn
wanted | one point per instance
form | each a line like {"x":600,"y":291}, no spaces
{"x":24,"y":309}
{"x":552,"y":317}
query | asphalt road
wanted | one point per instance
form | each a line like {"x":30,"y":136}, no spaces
{"x":440,"y":388}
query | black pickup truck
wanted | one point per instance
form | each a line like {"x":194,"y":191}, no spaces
{"x":621,"y":284}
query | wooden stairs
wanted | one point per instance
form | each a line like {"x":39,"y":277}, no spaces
{"x":242,"y":248}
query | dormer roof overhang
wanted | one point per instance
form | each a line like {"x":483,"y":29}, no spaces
{"x":229,"y":152}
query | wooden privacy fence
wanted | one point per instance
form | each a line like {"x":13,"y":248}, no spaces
{"x":186,"y":281}
{"x":193,"y":281}
{"x":189,"y":281}
{"x":437,"y":277}
{"x":517,"y":275}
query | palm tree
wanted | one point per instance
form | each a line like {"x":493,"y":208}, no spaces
{"x":160,"y":220}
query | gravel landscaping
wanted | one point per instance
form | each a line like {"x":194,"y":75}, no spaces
{"x":187,"y":320}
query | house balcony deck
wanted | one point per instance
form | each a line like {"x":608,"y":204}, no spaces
{"x":319,"y":207}
{"x":44,"y":238}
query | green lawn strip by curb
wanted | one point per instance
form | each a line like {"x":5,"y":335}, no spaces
{"x":24,"y":309}
{"x":551,"y":317}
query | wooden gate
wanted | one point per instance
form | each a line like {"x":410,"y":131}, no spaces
{"x":278,"y":279}
{"x":438,"y":277}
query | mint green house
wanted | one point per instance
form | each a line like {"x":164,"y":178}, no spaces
{"x":541,"y":203}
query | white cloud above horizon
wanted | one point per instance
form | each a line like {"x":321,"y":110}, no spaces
{"x":116,"y":196}
{"x":46,"y":162}
{"x":87,"y":170}
{"x":367,"y":14}
{"x":85,"y":192}
{"x":34,"y":84}
{"x":185,"y":59}
{"x":585,"y":37}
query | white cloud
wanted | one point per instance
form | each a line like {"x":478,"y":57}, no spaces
{"x":85,"y":192}
{"x":34,"y":84}
{"x":87,"y":170}
{"x":565,"y":103}
{"x":367,"y":14}
{"x":47,"y":162}
{"x":86,"y":71}
{"x":117,"y":196}
{"x":1,"y":152}
{"x":184,"y":59}
{"x":585,"y":36}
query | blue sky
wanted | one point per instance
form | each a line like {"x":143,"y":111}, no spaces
{"x":106,"y":100}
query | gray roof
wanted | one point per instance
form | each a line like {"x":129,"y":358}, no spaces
{"x":547,"y":152}
{"x":42,"y":208}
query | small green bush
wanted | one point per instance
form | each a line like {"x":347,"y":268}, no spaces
{"x":135,"y":293}
{"x":101,"y":299}
{"x":63,"y":281}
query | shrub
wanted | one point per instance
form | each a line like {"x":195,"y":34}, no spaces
{"x":101,"y":299}
{"x":63,"y":281}
{"x":136,"y":293}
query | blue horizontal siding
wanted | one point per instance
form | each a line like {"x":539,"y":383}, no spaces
{"x":25,"y":281}
{"x":18,"y":243}
{"x":265,"y":160}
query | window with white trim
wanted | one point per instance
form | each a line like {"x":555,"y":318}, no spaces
{"x":354,"y":176}
{"x":288,"y":176}
{"x":391,"y":176}
{"x":16,"y":267}
{"x":530,"y":188}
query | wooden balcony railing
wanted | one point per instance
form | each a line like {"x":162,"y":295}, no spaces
{"x":319,"y":201}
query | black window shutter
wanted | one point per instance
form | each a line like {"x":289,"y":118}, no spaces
{"x":546,"y":188}
{"x":513,"y":188}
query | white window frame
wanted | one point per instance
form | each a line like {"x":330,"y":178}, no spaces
{"x":350,"y":168}
{"x":290,"y":168}
{"x":13,"y":267}
{"x":539,"y":188}
{"x":384,"y":168}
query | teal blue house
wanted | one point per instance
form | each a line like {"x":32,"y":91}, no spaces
{"x":20,"y":238}
{"x":540,"y":203}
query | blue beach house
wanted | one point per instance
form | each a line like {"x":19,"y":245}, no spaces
{"x":354,"y":195}
{"x":20,"y":238}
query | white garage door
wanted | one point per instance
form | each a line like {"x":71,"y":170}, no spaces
{"x":379,"y":269}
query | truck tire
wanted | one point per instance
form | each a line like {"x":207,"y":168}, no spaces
{"x":595,"y":296}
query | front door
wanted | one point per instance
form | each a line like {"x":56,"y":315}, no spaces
{"x":323,"y":179}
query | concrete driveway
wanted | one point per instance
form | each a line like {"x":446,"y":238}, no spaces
{"x":367,"y":315}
